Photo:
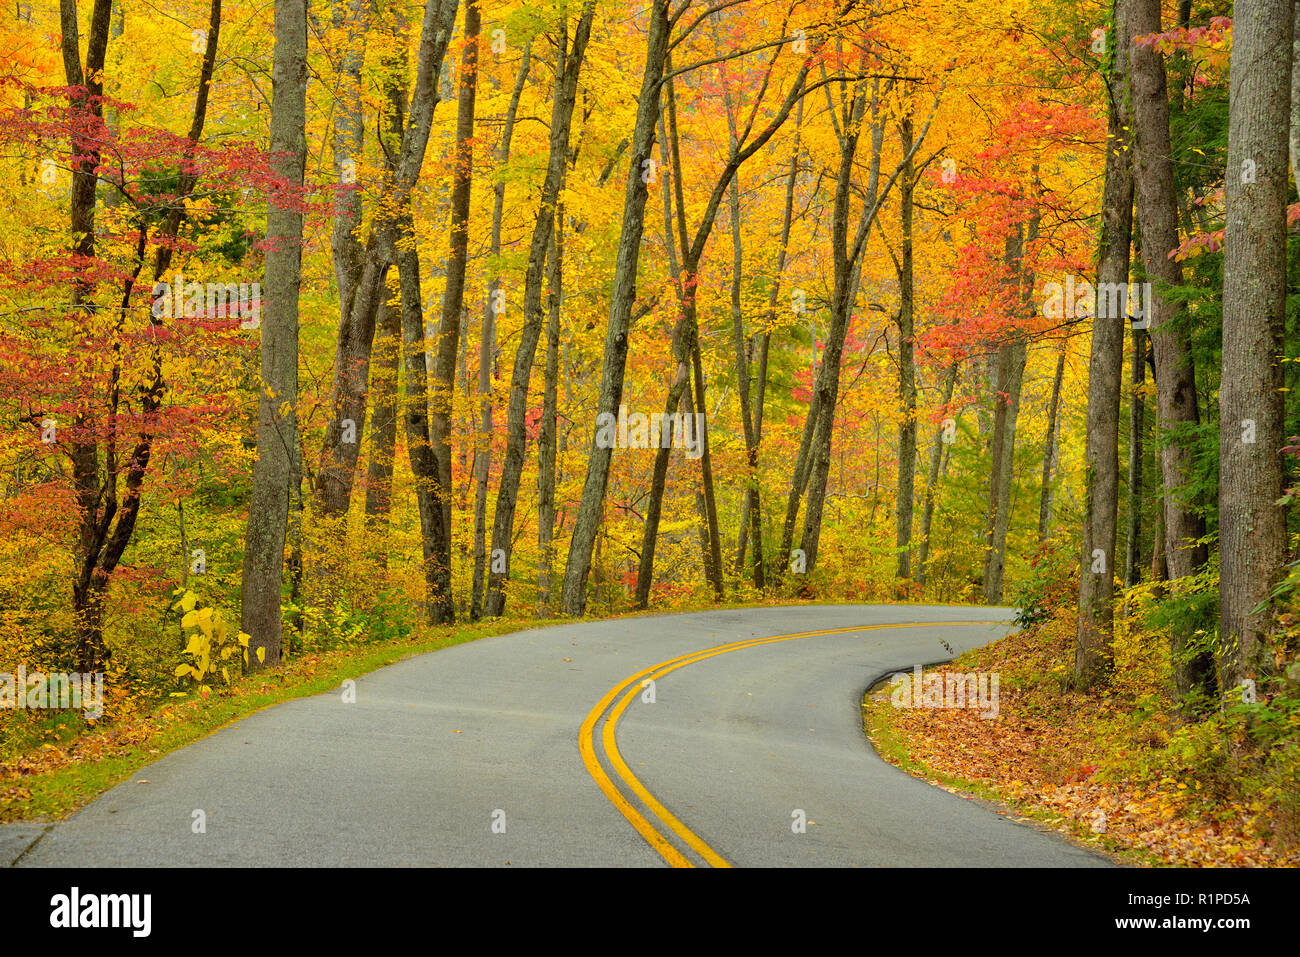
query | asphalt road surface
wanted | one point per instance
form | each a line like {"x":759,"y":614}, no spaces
{"x":548,"y":748}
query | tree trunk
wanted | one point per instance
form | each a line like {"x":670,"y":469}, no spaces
{"x":568,"y":67}
{"x":685,"y":342}
{"x":1049,"y":447}
{"x":765,"y":338}
{"x":350,"y":20}
{"x":1006,"y":397}
{"x":1136,"y":432}
{"x":493,"y":303}
{"x":419,"y":448}
{"x":1011,"y":369}
{"x":906,"y":361}
{"x":1252,"y":525}
{"x":347,"y":403}
{"x":932,"y":480}
{"x":277,"y":430}
{"x":814,"y":454}
{"x":622,"y":297}
{"x":659,"y":475}
{"x":442,"y":610}
{"x":1294,"y":119}
{"x":753,"y":507}
{"x":91,"y":579}
{"x":713,"y":558}
{"x":1176,"y":400}
{"x":383,"y":386}
{"x":546,"y":438}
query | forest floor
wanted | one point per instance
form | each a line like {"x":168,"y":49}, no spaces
{"x":1110,"y":771}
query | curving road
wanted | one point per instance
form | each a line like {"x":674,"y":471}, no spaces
{"x":546,"y":748}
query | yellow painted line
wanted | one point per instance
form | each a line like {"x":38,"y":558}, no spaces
{"x":586,"y":741}
{"x":643,"y":827}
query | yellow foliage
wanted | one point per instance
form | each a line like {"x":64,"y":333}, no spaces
{"x":211,"y":641}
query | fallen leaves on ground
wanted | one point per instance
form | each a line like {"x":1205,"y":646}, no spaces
{"x":1058,"y":765}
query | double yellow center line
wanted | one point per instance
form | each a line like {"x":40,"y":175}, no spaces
{"x":629,"y":688}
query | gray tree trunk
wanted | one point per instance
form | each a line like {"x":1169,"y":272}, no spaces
{"x":488,"y":346}
{"x":1049,"y":447}
{"x":277,"y":430}
{"x":385,"y":375}
{"x":1136,"y":431}
{"x":749,"y":417}
{"x":568,"y":66}
{"x":443,"y":386}
{"x":350,"y":19}
{"x":347,"y":403}
{"x":658,"y":478}
{"x":1294,"y":120}
{"x":932,"y":482}
{"x":685,"y":340}
{"x":1176,"y":400}
{"x":383,"y":441}
{"x":1010,"y":376}
{"x":1011,"y":368}
{"x":847,"y":256}
{"x":765,"y":337}
{"x":573,"y":597}
{"x":906,"y":361}
{"x":817,"y":451}
{"x":1252,"y":525}
{"x":546,"y":438}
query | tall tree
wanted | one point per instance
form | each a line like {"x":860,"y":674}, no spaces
{"x":383,"y":386}
{"x":107,"y":515}
{"x":573,"y":596}
{"x":753,"y":506}
{"x":1011,"y":356}
{"x":1049,"y":445}
{"x":812,"y":465}
{"x":359,"y":310}
{"x":1177,"y":408}
{"x":1252,"y":525}
{"x":813,"y":462}
{"x":1136,"y":435}
{"x":350,"y":19}
{"x":1105,"y":370}
{"x":685,"y":342}
{"x":443,"y":388}
{"x":906,"y":355}
{"x":86,"y":86}
{"x":567,"y":67}
{"x":277,"y":429}
{"x":547,"y":446}
{"x":932,"y":478}
{"x":493,"y":304}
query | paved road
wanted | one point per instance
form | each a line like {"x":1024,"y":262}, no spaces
{"x":503,"y":752}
